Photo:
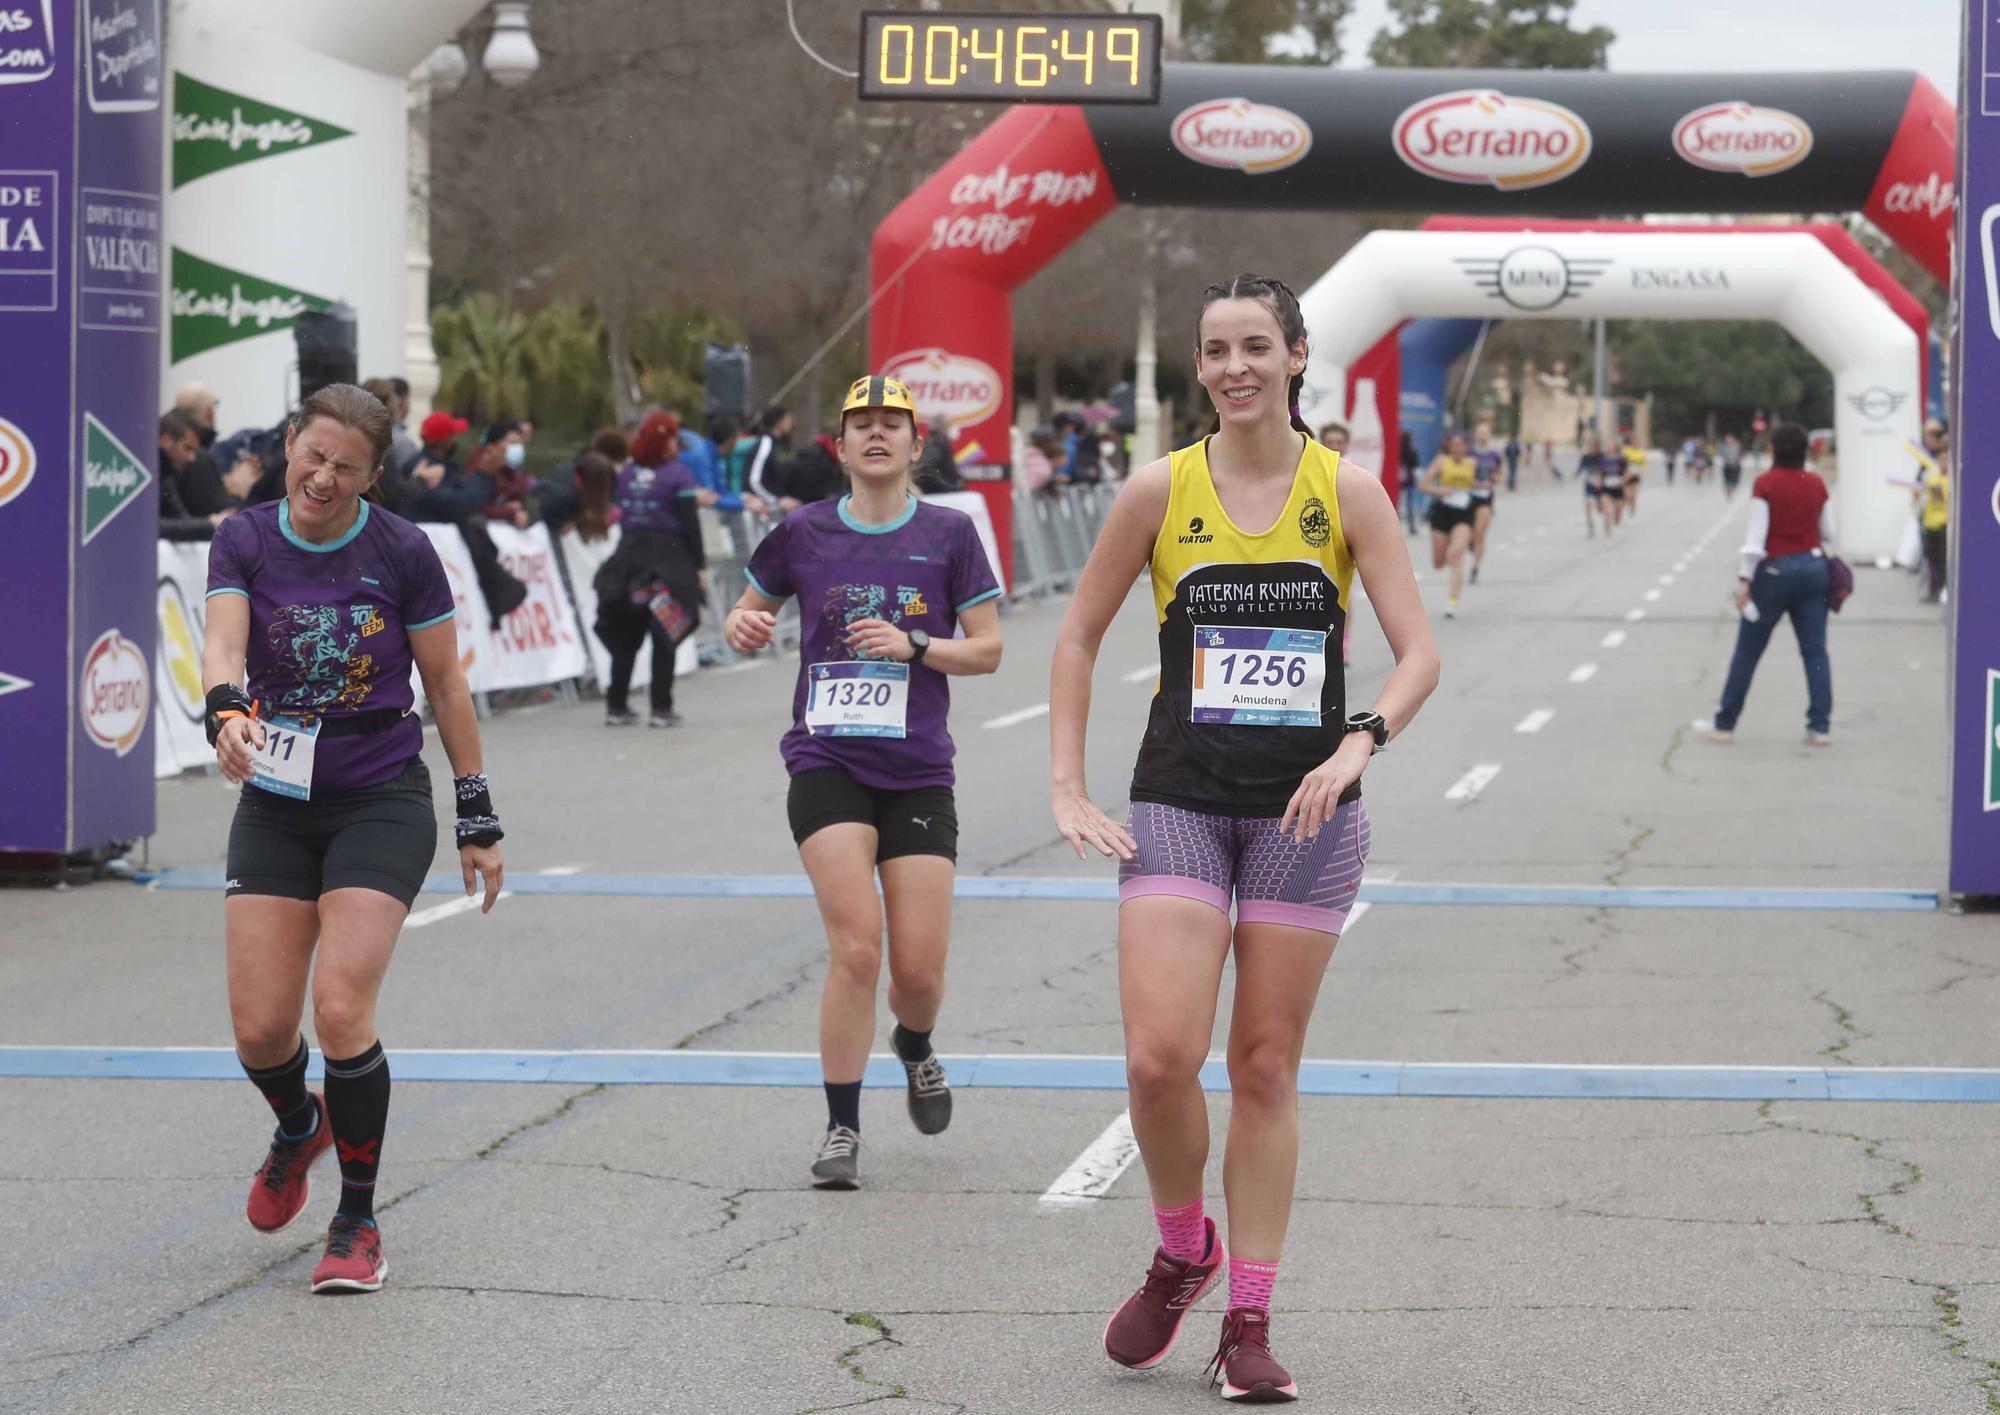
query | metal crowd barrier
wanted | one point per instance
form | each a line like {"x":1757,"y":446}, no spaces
{"x":1054,"y":530}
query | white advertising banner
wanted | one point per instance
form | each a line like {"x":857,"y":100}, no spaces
{"x":540,"y":642}
{"x":475,"y":639}
{"x":974,"y":505}
{"x":182,"y":609}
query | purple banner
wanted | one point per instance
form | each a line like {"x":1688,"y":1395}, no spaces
{"x":1975,"y":471}
{"x":80,"y":299}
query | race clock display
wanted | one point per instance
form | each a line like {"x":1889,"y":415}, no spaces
{"x":987,"y":58}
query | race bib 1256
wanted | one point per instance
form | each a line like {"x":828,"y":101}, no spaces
{"x":1259,"y":677}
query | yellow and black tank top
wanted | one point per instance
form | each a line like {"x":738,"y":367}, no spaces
{"x":1457,"y":473}
{"x":1249,"y":622}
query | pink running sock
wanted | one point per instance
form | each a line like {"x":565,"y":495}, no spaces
{"x":1250,"y":1283}
{"x":1183,"y":1232}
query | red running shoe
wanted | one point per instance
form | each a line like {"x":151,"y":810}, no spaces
{"x":353,"y":1261}
{"x":1243,"y":1365}
{"x":1143,"y":1330}
{"x":279,"y":1191}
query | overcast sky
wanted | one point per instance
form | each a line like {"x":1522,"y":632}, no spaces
{"x":1735,"y":35}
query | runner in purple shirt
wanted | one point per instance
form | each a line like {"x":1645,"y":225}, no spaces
{"x":883,"y":580}
{"x":323,"y":602}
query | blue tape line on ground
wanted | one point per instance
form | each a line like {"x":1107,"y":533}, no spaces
{"x":1089,"y":889}
{"x":1477,"y":1080}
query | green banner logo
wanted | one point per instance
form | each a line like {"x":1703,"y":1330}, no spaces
{"x":10,"y":684}
{"x":215,"y":129}
{"x":1993,"y":739}
{"x":112,"y":477}
{"x":214,"y":305}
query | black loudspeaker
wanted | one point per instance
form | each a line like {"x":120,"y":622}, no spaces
{"x":725,"y":381}
{"x":329,"y":347}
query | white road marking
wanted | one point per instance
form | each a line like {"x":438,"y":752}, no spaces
{"x":1666,"y":579}
{"x":1010,"y":719}
{"x":1633,"y":616}
{"x":564,"y":870}
{"x":1612,"y":640}
{"x":1583,"y":673}
{"x":742,"y":666}
{"x":1535,"y":721}
{"x":445,"y":911}
{"x":1092,"y":1173}
{"x":1680,"y":567}
{"x":1140,"y":675}
{"x":1650,"y":596}
{"x":1104,"y":1160}
{"x":1468,"y":786}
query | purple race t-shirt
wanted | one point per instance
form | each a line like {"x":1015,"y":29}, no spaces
{"x":329,"y":628}
{"x":920,"y":571}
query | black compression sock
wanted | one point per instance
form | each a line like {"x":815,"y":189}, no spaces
{"x":843,"y":1104}
{"x":910,"y":1046}
{"x":357,"y":1102}
{"x":285,"y":1088}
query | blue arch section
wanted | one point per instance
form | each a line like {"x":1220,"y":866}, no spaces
{"x":1429,"y":348}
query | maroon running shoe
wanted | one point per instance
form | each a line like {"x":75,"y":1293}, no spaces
{"x":353,"y":1260}
{"x":1143,"y":1330}
{"x":280,"y":1189}
{"x":1243,"y":1365}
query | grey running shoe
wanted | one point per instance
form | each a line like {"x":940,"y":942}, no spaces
{"x":664,"y":719}
{"x":930,"y":1096}
{"x":836,"y":1164}
{"x":619,"y":717}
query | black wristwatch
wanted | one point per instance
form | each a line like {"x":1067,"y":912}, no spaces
{"x":1373,"y":723}
{"x":920,"y":644}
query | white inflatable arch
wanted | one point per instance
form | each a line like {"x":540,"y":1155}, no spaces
{"x":1787,"y":277}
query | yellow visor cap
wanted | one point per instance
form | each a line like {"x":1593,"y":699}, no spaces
{"x":879,"y":392}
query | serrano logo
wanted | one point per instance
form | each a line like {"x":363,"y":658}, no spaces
{"x":113,"y":695}
{"x":1736,"y":137}
{"x":948,"y":385}
{"x":1485,"y":138}
{"x":1234,"y":132}
{"x":17,"y":461}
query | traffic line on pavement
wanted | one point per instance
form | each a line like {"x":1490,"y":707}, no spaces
{"x":1140,"y":675}
{"x":1583,"y":673}
{"x":1018,"y":716}
{"x":1092,"y":1173}
{"x":1535,"y":721}
{"x":1468,"y":786}
{"x":1383,"y":888}
{"x":1633,"y":616}
{"x":1650,"y":596}
{"x":464,"y":904}
{"x":1016,"y":1071}
{"x":1612,"y":640}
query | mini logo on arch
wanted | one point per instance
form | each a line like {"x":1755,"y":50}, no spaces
{"x":948,"y":385}
{"x":1234,"y":132}
{"x":1315,"y":526}
{"x":114,"y":693}
{"x":1877,"y":404}
{"x":1740,"y":137}
{"x":1483,"y":137}
{"x":1533,"y":277}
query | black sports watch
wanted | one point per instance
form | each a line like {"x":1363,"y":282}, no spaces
{"x":920,"y":644}
{"x":1373,"y":723}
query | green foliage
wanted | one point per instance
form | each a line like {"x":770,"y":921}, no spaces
{"x":482,"y":355}
{"x":666,"y":350}
{"x":1488,"y":34}
{"x":568,"y":366}
{"x":1732,"y":368}
{"x":1242,"y":31}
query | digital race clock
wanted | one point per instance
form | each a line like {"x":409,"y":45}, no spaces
{"x":984,"y":58}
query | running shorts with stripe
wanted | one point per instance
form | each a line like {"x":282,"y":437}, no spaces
{"x":1273,"y":878}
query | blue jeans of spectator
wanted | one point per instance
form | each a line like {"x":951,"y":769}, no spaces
{"x":1794,"y":585}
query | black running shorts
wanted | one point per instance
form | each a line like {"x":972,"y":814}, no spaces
{"x":377,"y":837}
{"x":1444,"y":519}
{"x":923,"y":821}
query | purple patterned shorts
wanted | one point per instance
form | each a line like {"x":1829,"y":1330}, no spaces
{"x":1275,"y":880}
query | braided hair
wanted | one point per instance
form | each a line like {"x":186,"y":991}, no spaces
{"x":1277,"y":297}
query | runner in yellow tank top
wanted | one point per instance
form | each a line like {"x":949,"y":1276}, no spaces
{"x":1246,"y":790}
{"x":1449,"y":483}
